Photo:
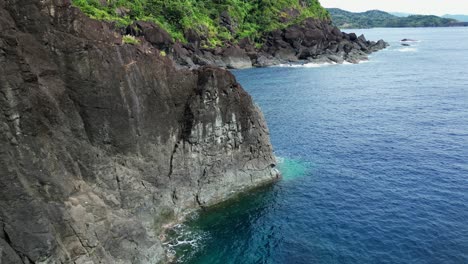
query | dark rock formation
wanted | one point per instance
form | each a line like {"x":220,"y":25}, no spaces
{"x":154,"y":35}
{"x":313,"y":41}
{"x":318,"y":42}
{"x":103,"y":142}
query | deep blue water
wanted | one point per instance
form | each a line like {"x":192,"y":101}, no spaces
{"x":375,"y":158}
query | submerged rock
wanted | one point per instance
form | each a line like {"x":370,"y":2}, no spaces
{"x":102,"y":142}
{"x":408,"y":40}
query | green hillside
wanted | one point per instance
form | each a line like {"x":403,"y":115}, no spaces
{"x":461,"y":18}
{"x":376,"y":18}
{"x":248,"y":18}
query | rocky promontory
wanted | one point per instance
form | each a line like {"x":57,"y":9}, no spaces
{"x":311,"y":41}
{"x":104,"y":142}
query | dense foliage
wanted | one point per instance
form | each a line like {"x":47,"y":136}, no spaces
{"x":376,"y":18}
{"x":250,"y":18}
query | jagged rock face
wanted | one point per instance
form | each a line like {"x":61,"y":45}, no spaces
{"x":319,"y":42}
{"x":312,"y":40}
{"x":103,"y":142}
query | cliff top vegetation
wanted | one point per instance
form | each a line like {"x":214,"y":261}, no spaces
{"x":216,"y":20}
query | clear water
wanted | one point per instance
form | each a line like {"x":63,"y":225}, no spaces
{"x":375,"y":158}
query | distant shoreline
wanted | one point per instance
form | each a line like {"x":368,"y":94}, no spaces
{"x":380,"y":19}
{"x":348,"y":28}
{"x":459,"y":26}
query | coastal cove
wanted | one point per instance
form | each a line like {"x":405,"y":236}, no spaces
{"x":374,"y":158}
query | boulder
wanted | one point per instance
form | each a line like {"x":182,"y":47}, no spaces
{"x":265,"y":60}
{"x":381,"y":44}
{"x":288,"y":55}
{"x":236,"y":58}
{"x":352,"y":36}
{"x":155,"y":35}
{"x":362,"y":38}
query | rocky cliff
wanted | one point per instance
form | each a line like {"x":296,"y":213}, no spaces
{"x":104,"y":142}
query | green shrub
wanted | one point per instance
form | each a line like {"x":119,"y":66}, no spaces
{"x":129,"y":39}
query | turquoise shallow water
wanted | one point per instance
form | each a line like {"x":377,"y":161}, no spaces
{"x":374,"y":156}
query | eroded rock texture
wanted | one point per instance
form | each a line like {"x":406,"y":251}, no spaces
{"x":103,"y":142}
{"x":315,"y":41}
{"x":310,"y":41}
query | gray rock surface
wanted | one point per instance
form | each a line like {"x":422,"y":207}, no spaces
{"x":102,"y":142}
{"x":236,"y":58}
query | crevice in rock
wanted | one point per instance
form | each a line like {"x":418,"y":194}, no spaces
{"x":7,"y":237}
{"x":200,"y":204}
{"x":171,"y":161}
{"x":119,"y":188}
{"x":79,"y":238}
{"x":174,"y":196}
{"x":197,"y":195}
{"x":187,"y":123}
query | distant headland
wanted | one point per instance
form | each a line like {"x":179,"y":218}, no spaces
{"x":376,"y":18}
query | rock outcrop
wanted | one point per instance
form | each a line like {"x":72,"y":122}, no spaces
{"x":317,"y":41}
{"x":104,"y":142}
{"x":314,"y":41}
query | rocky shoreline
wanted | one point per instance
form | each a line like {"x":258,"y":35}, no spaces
{"x":312,"y":41}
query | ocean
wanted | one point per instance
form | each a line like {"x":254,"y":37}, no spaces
{"x":374,"y":159}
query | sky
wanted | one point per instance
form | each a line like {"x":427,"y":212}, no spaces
{"x":425,"y":7}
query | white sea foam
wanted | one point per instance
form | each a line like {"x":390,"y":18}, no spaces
{"x":306,"y":65}
{"x":318,"y":65}
{"x":360,"y":62}
{"x":408,"y":50}
{"x":184,"y":238}
{"x":279,"y":159}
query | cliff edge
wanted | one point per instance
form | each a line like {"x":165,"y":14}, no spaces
{"x":235,"y":34}
{"x":104,"y":142}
